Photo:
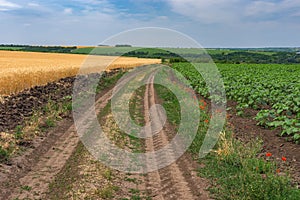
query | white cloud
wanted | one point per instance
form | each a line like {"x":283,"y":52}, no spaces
{"x":261,"y":7}
{"x":95,"y":3}
{"x":225,"y":11}
{"x":216,"y":23}
{"x":283,"y":7}
{"x":7,"y":5}
{"x":206,"y":11}
{"x":163,"y":17}
{"x":32,"y":4}
{"x":68,"y":11}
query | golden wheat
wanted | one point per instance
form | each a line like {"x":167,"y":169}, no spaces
{"x":21,"y":70}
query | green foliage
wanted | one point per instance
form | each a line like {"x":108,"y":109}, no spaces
{"x":240,"y":108}
{"x":239,"y":174}
{"x":238,"y":57}
{"x":123,"y":45}
{"x":19,"y":132}
{"x":108,"y":81}
{"x":48,"y":49}
{"x":233,"y":56}
{"x":26,"y":188}
{"x":271,"y":88}
{"x":170,"y":104}
{"x":107,"y":192}
{"x":4,"y":154}
{"x":50,"y":122}
{"x":233,"y":167}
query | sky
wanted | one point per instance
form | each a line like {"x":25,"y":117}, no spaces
{"x":212,"y":23}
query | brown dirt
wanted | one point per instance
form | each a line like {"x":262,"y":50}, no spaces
{"x":89,"y":179}
{"x":245,"y":128}
{"x":32,"y":174}
{"x":178,"y":180}
{"x":29,"y":175}
{"x":17,"y":108}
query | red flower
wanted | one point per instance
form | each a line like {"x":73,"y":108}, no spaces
{"x":202,"y":107}
{"x":268,"y":154}
{"x":283,"y":158}
{"x":206,"y":121}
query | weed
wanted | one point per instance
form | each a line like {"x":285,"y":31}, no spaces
{"x":19,"y":132}
{"x":26,"y":188}
{"x":134,"y":191}
{"x":50,"y":122}
{"x":3,"y":154}
{"x":8,"y":145}
{"x":107,"y":192}
{"x":133,"y":180}
{"x":136,"y":197}
{"x":108,"y":174}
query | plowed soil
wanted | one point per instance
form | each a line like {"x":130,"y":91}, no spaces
{"x":16,"y":108}
{"x":29,"y":175}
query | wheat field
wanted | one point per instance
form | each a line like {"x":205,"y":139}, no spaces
{"x":21,"y":70}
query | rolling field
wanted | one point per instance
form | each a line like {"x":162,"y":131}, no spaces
{"x":108,"y":50}
{"x":122,"y":50}
{"x":20,"y":70}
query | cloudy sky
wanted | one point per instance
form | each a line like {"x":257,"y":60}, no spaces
{"x":213,"y":23}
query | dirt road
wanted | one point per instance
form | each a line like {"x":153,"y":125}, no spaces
{"x":31,"y":174}
{"x":178,"y":180}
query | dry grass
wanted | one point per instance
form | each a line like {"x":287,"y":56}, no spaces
{"x":21,"y":70}
{"x":225,"y":146}
{"x":8,"y":143}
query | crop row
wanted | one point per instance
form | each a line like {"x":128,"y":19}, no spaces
{"x":273,"y":90}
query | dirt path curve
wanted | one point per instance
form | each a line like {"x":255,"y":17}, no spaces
{"x":33,"y":183}
{"x":178,"y":180}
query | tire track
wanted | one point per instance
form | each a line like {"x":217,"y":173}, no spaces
{"x":40,"y":175}
{"x":178,"y":180}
